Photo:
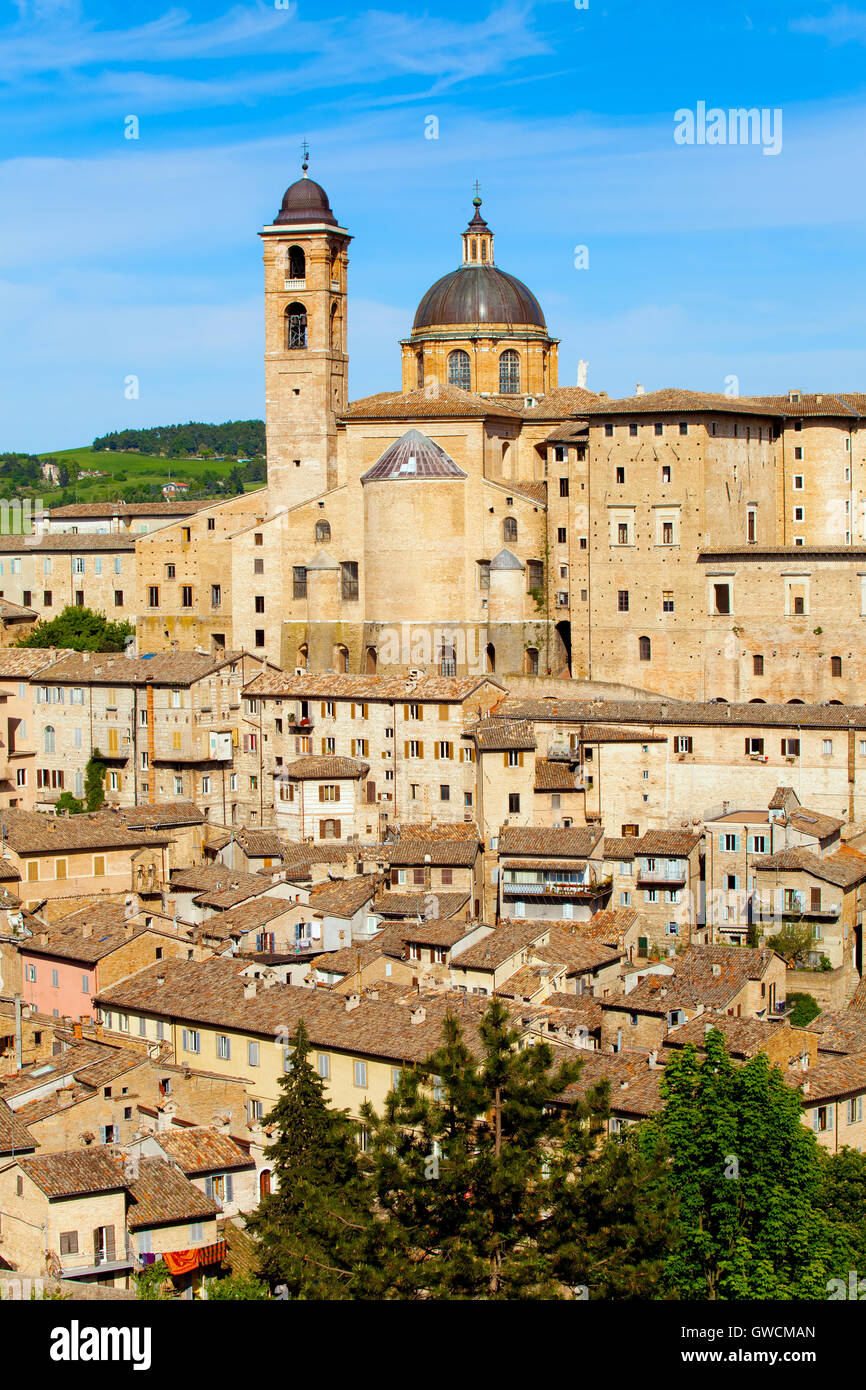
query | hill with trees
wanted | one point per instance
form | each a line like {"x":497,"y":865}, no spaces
{"x":235,"y":439}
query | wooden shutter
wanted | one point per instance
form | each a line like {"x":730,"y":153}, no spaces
{"x":420,"y":713}
{"x":747,"y":745}
{"x":109,"y":1243}
{"x":321,"y":792}
{"x":420,"y":750}
{"x":97,"y":1239}
{"x":505,"y":759}
{"x":229,"y":1187}
{"x":443,"y":713}
{"x":336,"y":830}
{"x":436,"y":747}
{"x":324,"y":708}
{"x":520,"y":759}
{"x":405,"y":748}
{"x":405,"y":711}
{"x":208,"y":1187}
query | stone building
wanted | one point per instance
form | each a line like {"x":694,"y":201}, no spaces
{"x":486,"y":519}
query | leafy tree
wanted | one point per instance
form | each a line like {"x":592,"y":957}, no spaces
{"x":153,"y":1284}
{"x":748,"y":1175}
{"x":805,"y":1009}
{"x":792,"y":941}
{"x":82,"y":629}
{"x":463,"y":1166}
{"x":94,"y":782}
{"x":238,"y":1286}
{"x":69,"y":803}
{"x":314,"y":1231}
{"x":843,"y":1199}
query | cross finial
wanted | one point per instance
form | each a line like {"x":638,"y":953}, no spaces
{"x":477,"y":189}
{"x":306,"y":152}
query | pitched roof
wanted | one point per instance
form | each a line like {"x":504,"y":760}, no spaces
{"x":430,"y":402}
{"x":108,"y":510}
{"x":667,"y":842}
{"x":497,"y":735}
{"x":572,"y":842}
{"x":18,"y":663}
{"x":326,"y":685}
{"x":14,"y":612}
{"x":76,"y":1172}
{"x":845,"y":868}
{"x":554,"y":776}
{"x":713,"y":713}
{"x":32,"y":832}
{"x":312,"y":768}
{"x":442,"y":902}
{"x":436,"y":931}
{"x":674,"y":399}
{"x":67,"y":541}
{"x":162,"y":1195}
{"x":829,"y":1077}
{"x":201,"y":1149}
{"x":708,"y":975}
{"x":495,"y":948}
{"x":161,"y":668}
{"x":413,"y":850}
{"x":88,"y":934}
{"x":814,"y":822}
{"x":343,"y":897}
{"x":164,"y":815}
{"x":14,"y":1134}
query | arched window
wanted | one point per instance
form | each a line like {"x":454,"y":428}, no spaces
{"x":370,"y":661}
{"x":419,"y":370}
{"x":329,"y":830}
{"x":509,"y":529}
{"x":296,"y":265}
{"x":302,"y":657}
{"x":490,"y":653}
{"x":323,"y":530}
{"x":509,"y":373}
{"x":645,"y":649}
{"x":530,"y":662}
{"x":335,"y":326}
{"x":265,"y":1182}
{"x":48,"y":739}
{"x":341,"y":659}
{"x":460,"y":369}
{"x":296,"y":326}
{"x":835,"y":665}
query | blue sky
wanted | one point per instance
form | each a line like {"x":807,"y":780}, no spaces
{"x":121,"y":257}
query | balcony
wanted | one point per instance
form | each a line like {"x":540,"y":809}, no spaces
{"x":584,"y":891}
{"x":646,"y":879}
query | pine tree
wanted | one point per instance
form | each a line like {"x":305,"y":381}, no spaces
{"x":462,"y":1165}
{"x":315,"y":1231}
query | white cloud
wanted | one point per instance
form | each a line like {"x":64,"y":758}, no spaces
{"x":839,"y":25}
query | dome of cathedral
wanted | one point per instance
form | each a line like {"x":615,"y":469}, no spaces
{"x":305,"y":201}
{"x":475,"y":294}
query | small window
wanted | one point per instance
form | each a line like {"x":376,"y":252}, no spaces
{"x":757,"y":665}
{"x":667,"y":601}
{"x":684,"y":427}
{"x":666,"y":471}
{"x":608,"y":431}
{"x":509,"y":529}
{"x":644,"y":646}
{"x":798,"y":482}
{"x":622,"y":601}
{"x":835,"y":665}
{"x":563,"y":487}
{"x":360,"y":1072}
{"x":620,"y":475}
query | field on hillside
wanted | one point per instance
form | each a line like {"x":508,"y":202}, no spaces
{"x":125,"y":471}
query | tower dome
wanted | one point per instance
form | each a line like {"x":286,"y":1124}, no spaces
{"x":305,"y":201}
{"x":479,"y":328}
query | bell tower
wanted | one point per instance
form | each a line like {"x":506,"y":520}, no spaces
{"x":306,"y":357}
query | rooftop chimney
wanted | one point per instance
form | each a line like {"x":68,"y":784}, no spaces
{"x":352,"y":1002}
{"x":417,"y":1013}
{"x":160,"y":979}
{"x":86,"y":929}
{"x":249,"y":989}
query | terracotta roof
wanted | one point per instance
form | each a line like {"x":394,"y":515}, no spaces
{"x":107,"y":510}
{"x":312,"y":768}
{"x":162,"y":1196}
{"x":497,"y":735}
{"x":672,"y":712}
{"x":743,"y":1036}
{"x":667,"y":842}
{"x":583,"y":1008}
{"x":201,"y":1149}
{"x":17,"y":663}
{"x":673,"y":399}
{"x":610,"y":924}
{"x":430,"y":402}
{"x":76,"y":1172}
{"x":163,"y":816}
{"x":529,"y":979}
{"x":66,"y":541}
{"x":828,"y":1078}
{"x":14,"y":1134}
{"x":444,"y":902}
{"x":66,"y":936}
{"x":554,"y":776}
{"x":609,"y":733}
{"x":411,"y":849}
{"x":215,"y":878}
{"x":212,"y":992}
{"x":843,"y":1031}
{"x":343,"y":897}
{"x":14,"y":613}
{"x":162,"y":668}
{"x":258,"y":843}
{"x":325,"y":685}
{"x":814,"y":822}
{"x":32,"y":832}
{"x":620,"y":847}
{"x":574,"y":842}
{"x":246,"y":917}
{"x":495,"y":948}
{"x":809,"y":403}
{"x":779,"y":797}
{"x":634,"y":1085}
{"x":845,"y":869}
{"x":694,"y":981}
{"x":562,"y":401}
{"x":437,"y":931}
{"x":347,"y":960}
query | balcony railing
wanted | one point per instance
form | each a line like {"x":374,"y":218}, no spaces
{"x":512,"y":889}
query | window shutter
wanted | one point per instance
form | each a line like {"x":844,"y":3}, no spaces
{"x":829,"y":1117}
{"x":97,"y":1239}
{"x":436,"y":750}
{"x":185,"y":1039}
{"x":420,"y":750}
{"x":321,"y":793}
{"x":323,"y":709}
{"x":815,"y":1120}
{"x":353,"y":709}
{"x":721,"y":842}
{"x":109,"y":1242}
{"x":520,"y":760}
{"x":406,"y":748}
{"x":229,"y":1187}
{"x":336,"y":830}
{"x":504,"y":759}
{"x":208,"y":1187}
{"x":420,"y":713}
{"x":405,"y":711}
{"x":747,"y":745}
